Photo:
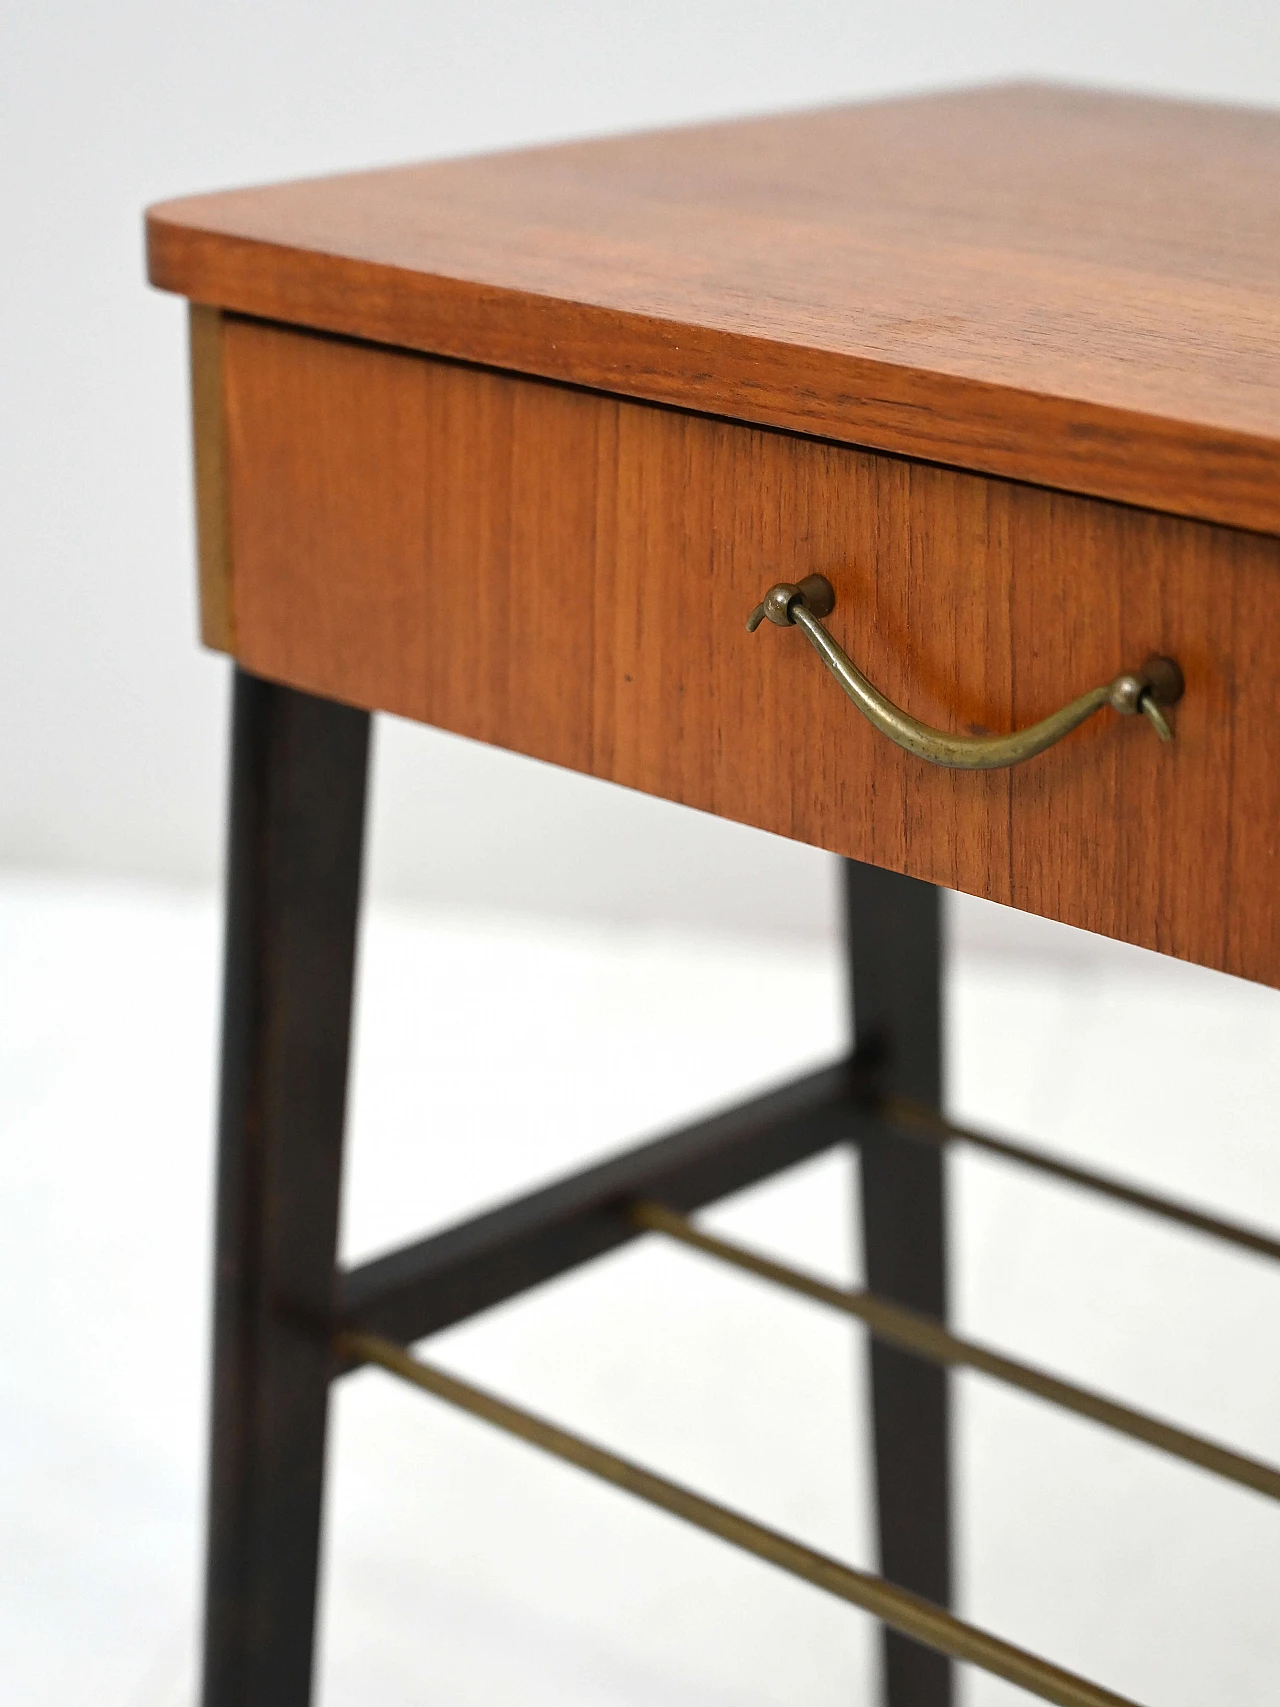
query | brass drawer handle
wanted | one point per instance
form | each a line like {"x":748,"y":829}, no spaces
{"x":1158,"y":683}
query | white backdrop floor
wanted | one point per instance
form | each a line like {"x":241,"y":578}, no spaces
{"x":461,"y":1568}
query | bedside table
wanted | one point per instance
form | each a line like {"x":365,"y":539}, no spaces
{"x":646,"y":457}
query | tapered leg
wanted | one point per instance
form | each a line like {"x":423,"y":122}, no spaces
{"x":895,"y":964}
{"x":293,"y":882}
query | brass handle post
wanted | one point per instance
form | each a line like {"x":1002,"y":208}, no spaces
{"x":802,"y":605}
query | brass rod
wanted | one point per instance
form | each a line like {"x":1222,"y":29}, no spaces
{"x":912,"y":1332}
{"x":931,"y":1127}
{"x":897,"y":1607}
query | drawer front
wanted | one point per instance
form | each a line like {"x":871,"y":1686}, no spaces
{"x":568,"y":575}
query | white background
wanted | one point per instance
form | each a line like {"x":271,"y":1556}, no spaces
{"x":541,"y":952}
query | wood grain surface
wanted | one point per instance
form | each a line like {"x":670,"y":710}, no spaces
{"x":567,"y":575}
{"x":1071,"y":288}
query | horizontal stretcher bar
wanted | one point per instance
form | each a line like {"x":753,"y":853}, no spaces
{"x":896,"y":1607}
{"x":921,"y":1335}
{"x":438,"y":1281}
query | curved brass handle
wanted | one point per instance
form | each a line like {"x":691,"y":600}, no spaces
{"x":1158,"y":683}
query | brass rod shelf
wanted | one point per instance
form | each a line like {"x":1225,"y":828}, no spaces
{"x":921,"y":1335}
{"x":897,"y":1607}
{"x":917,"y":1120}
{"x":435,"y":1282}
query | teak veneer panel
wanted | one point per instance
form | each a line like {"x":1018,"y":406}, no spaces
{"x":1056,"y":285}
{"x":567,"y":574}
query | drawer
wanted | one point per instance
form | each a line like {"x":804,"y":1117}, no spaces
{"x":568,"y":575}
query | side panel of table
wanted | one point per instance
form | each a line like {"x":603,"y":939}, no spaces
{"x":567,"y":574}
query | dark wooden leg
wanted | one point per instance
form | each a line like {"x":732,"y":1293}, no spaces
{"x":293,"y":883}
{"x":895,"y":963}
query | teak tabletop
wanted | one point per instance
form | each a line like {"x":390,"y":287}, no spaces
{"x":1052,"y":284}
{"x":1002,"y":366}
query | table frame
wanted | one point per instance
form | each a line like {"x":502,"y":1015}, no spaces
{"x":288,"y":1320}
